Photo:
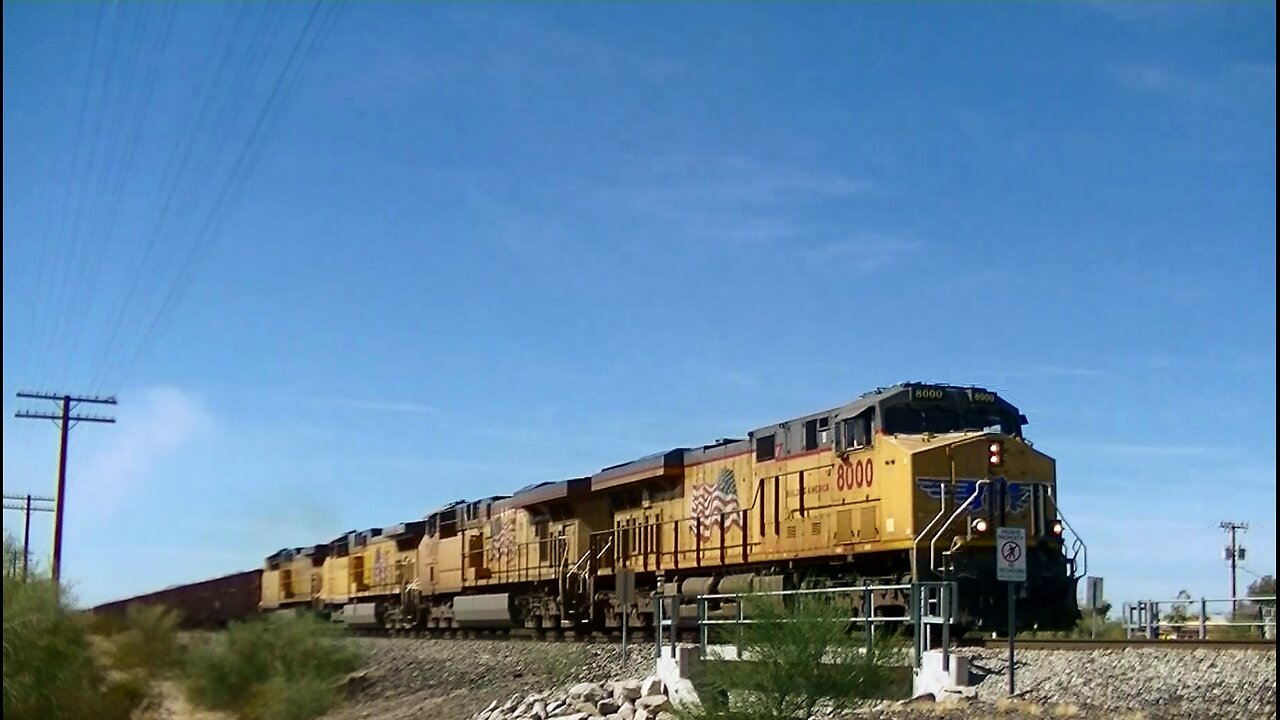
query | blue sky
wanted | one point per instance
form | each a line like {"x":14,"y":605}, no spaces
{"x":451,"y":249}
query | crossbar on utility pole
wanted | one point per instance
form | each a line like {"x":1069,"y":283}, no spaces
{"x":27,"y":507}
{"x":66,"y":421}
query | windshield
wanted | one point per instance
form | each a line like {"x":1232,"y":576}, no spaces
{"x":916,"y":418}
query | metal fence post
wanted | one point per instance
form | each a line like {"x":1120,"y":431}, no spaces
{"x":867,"y":613}
{"x":945,"y":614}
{"x":702,"y":624}
{"x":915,"y":622}
{"x":657,"y":631}
{"x":1204,"y":611}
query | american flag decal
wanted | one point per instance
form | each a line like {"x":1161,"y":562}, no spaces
{"x":711,"y":502}
{"x":502,"y":536}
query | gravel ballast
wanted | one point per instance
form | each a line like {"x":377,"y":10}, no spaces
{"x":455,"y":679}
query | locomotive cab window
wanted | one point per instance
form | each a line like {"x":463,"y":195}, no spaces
{"x":817,"y":432}
{"x":765,"y":448}
{"x":857,"y":429}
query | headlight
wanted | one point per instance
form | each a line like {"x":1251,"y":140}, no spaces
{"x":995,"y":454}
{"x":980,"y":525}
{"x":1057,"y":527}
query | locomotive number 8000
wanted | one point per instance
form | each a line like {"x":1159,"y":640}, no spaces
{"x":858,"y":474}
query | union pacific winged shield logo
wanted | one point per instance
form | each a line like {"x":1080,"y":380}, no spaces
{"x":1018,"y":497}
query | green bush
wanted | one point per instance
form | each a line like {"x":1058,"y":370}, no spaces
{"x":286,"y":667}
{"x":51,"y":670}
{"x":794,"y":659}
{"x":281,"y":699}
{"x":148,"y":642}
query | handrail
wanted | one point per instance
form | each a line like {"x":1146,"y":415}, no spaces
{"x":1077,"y":545}
{"x":605,"y":548}
{"x":581,"y":560}
{"x":977,"y":490}
{"x":942,"y":508}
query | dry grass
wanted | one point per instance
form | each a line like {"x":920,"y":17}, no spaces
{"x":1065,"y":710}
{"x":1010,"y":706}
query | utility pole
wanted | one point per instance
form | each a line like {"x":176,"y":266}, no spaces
{"x":65,"y":421}
{"x":1235,"y":552}
{"x":27,"y":507}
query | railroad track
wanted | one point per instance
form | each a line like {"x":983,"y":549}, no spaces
{"x":645,"y":635}
{"x":1087,"y":644}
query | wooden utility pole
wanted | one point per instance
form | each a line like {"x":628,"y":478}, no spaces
{"x":27,"y":507}
{"x":65,"y":421}
{"x":1234,"y":551}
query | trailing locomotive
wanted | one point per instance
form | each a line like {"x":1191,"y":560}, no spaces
{"x":905,"y":483}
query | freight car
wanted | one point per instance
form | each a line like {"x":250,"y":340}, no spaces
{"x":905,"y":483}
{"x":207,"y":604}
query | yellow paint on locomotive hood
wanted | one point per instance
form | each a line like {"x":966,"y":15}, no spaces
{"x":958,"y":461}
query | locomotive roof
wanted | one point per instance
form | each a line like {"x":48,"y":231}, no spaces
{"x":671,"y":462}
{"x":895,"y":392}
{"x":544,"y":492}
{"x":405,"y":529}
{"x":657,"y":464}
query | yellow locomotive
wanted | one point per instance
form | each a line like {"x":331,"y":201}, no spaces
{"x":905,"y":483}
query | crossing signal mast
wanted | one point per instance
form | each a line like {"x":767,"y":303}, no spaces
{"x":1233,"y":553}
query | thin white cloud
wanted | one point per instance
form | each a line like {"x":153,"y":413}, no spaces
{"x":1141,"y":449}
{"x":861,"y":255}
{"x":1145,"y":12}
{"x":395,"y":406}
{"x":1231,"y":85}
{"x":151,"y":425}
{"x":1061,"y":371}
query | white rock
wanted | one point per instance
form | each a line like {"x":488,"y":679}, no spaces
{"x":627,"y":712}
{"x":653,"y":703}
{"x":574,"y":716}
{"x":590,"y":692}
{"x":539,"y":709}
{"x":643,"y":715}
{"x":626,"y":690}
{"x":683,"y":696}
{"x":651,"y":686}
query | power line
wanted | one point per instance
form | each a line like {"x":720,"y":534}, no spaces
{"x":243,"y":165}
{"x":65,"y":421}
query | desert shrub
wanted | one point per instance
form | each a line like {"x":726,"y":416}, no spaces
{"x":147,"y":642}
{"x":795,"y":658}
{"x":51,"y":669}
{"x":285,"y":667}
{"x":281,"y":699}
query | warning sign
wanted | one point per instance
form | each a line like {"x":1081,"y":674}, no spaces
{"x":1011,"y":554}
